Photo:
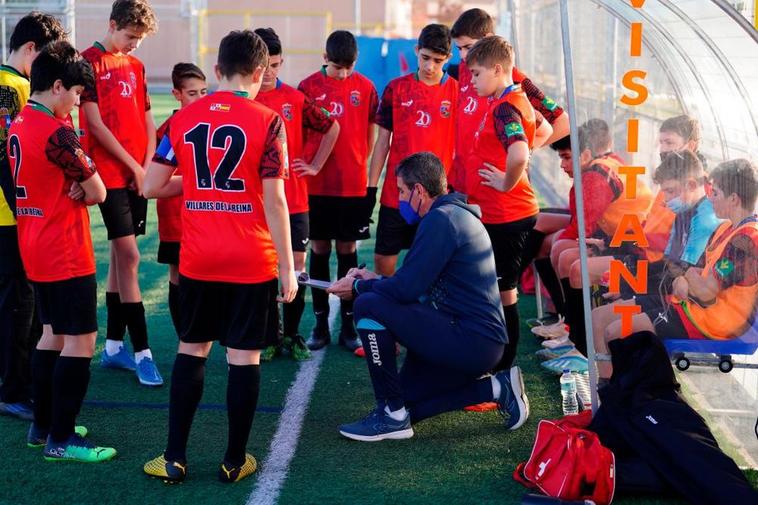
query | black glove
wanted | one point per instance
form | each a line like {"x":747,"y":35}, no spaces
{"x":370,"y":203}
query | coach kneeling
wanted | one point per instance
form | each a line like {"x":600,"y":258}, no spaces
{"x":442,"y":305}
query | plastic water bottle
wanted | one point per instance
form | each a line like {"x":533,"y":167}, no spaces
{"x":568,"y":392}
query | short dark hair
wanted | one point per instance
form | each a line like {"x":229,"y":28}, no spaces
{"x":561,"y":144}
{"x":595,"y":135}
{"x":423,"y":168}
{"x":738,"y":176}
{"x":241,"y":52}
{"x":473,"y":23}
{"x":183,"y":71}
{"x":60,"y":60}
{"x":491,"y":51}
{"x":135,"y":13}
{"x":39,"y":28}
{"x":271,"y":39}
{"x":685,"y":126}
{"x":436,"y":37}
{"x":341,"y":48}
{"x":679,"y":166}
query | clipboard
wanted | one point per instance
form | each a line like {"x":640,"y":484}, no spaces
{"x":305,"y":280}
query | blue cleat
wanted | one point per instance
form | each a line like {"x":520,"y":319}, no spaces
{"x":513,"y":401}
{"x":122,"y":360}
{"x":378,"y":425}
{"x":148,"y":374}
{"x":21,"y":410}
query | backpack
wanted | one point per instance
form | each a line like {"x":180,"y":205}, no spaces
{"x":568,"y":462}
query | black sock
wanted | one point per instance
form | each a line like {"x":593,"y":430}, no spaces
{"x":344,"y":263}
{"x":575,"y":307}
{"x":134,"y":315}
{"x":532,"y":248}
{"x":241,"y":402}
{"x":320,"y":271}
{"x":187,"y":380}
{"x":292,"y":313}
{"x":70,"y":381}
{"x":173,"y":305}
{"x":43,"y":366}
{"x":512,"y":326}
{"x":549,"y":279}
{"x":116,"y":325}
{"x":566,"y":288}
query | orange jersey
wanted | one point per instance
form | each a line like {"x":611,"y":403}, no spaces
{"x":352,"y":103}
{"x":120,"y":92}
{"x":53,"y":230}
{"x":421,"y":118}
{"x":298,"y":113}
{"x":509,"y":119}
{"x":225,"y":145}
{"x":169,"y":209}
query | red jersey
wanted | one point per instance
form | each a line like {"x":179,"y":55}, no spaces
{"x":298,"y":112}
{"x":421,"y":118}
{"x":53,"y":230}
{"x":471,"y":111}
{"x":225,"y":144}
{"x":352,"y":103}
{"x":169,"y":209}
{"x":509,"y":119}
{"x":120,"y":92}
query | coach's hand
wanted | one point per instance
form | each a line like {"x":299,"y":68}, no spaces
{"x":75,"y":192}
{"x":343,"y":288}
{"x":287,"y":286}
{"x":362,"y":273}
{"x":492,"y":177}
{"x":301,"y":168}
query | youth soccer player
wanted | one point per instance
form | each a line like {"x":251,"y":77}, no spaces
{"x":55,"y":181}
{"x":298,"y":114}
{"x":119,"y":134}
{"x":189,"y":86}
{"x":417,"y":113}
{"x":340,"y":203}
{"x":30,"y":35}
{"x":496,"y":178}
{"x":231,"y":154}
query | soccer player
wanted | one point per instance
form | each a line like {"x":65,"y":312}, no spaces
{"x":340,"y":203}
{"x":231,"y":156}
{"x":55,"y":181}
{"x":30,"y":35}
{"x":298,"y":113}
{"x":119,"y":134}
{"x":189,"y":86}
{"x":496,"y":178}
{"x":417,"y":113}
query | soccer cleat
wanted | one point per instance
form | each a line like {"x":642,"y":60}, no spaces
{"x":21,"y":410}
{"x":376,"y":426}
{"x":77,"y":448}
{"x":481,"y":407}
{"x":320,"y":337}
{"x":269,"y":352}
{"x":169,"y":471}
{"x":552,"y":353}
{"x":555,"y":330}
{"x":37,"y":437}
{"x":232,"y":473}
{"x":548,"y":318}
{"x":513,"y":401}
{"x":572,"y":360}
{"x":148,"y":374}
{"x":298,"y":350}
{"x":349,"y":340}
{"x":122,"y":360}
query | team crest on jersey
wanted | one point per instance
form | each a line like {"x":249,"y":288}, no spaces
{"x":287,"y":111}
{"x":355,"y":98}
{"x":445,"y":108}
{"x":133,"y":79}
{"x":220,"y":107}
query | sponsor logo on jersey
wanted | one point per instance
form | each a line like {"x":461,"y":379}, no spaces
{"x":464,"y":88}
{"x":321,"y":97}
{"x":355,"y":98}
{"x":512,"y":129}
{"x":220,"y":107}
{"x":445,"y":108}
{"x":105,"y":77}
{"x":287,"y":111}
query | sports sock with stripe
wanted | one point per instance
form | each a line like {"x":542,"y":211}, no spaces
{"x":241,"y":402}
{"x":187,"y":381}
{"x":70,"y":381}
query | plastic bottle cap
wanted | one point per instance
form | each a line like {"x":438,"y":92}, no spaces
{"x":566,"y":371}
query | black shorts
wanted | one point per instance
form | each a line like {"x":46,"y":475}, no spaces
{"x":168,"y":253}
{"x":70,"y":306}
{"x":393,"y":234}
{"x":508,"y":242}
{"x":239,"y":316}
{"x":338,"y":218}
{"x":124,"y":213}
{"x":299,"y":231}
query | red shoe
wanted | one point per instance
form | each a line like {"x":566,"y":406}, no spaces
{"x":362,"y":354}
{"x":481,"y":407}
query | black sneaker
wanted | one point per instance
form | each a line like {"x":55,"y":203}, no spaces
{"x":320,"y":337}
{"x":349,"y":339}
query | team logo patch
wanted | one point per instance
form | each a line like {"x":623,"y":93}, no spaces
{"x":355,"y":98}
{"x":512,"y":129}
{"x":445,"y":108}
{"x":133,"y":79}
{"x":724,"y":267}
{"x":287,"y":111}
{"x":549,"y":103}
{"x":220,"y":107}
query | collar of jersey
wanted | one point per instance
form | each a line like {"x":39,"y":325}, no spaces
{"x":243,"y":94}
{"x":510,"y":89}
{"x":40,"y":108}
{"x":13,"y":71}
{"x":278,"y":83}
{"x":442,"y":81}
{"x":100,"y":46}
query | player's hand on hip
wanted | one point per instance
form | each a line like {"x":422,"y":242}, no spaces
{"x":343,"y":288}
{"x":301,"y":168}
{"x":287,"y":286}
{"x":75,"y":192}
{"x":492,"y":177}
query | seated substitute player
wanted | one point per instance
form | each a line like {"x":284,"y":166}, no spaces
{"x":231,"y":154}
{"x":442,"y":305}
{"x":189,"y":86}
{"x":496,"y":177}
{"x":119,"y":134}
{"x":417,"y":113}
{"x":18,"y":333}
{"x":299,"y":113}
{"x":340,"y":205}
{"x":717,"y":301}
{"x":55,"y":181}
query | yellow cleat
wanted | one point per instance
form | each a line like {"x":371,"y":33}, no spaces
{"x":231,"y":473}
{"x":168,"y":471}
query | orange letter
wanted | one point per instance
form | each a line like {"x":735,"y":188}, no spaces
{"x":639,"y":88}
{"x":636,"y":45}
{"x":632,"y":135}
{"x":626,"y":312}
{"x":638,"y":283}
{"x":631,"y":173}
{"x":629,"y":229}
